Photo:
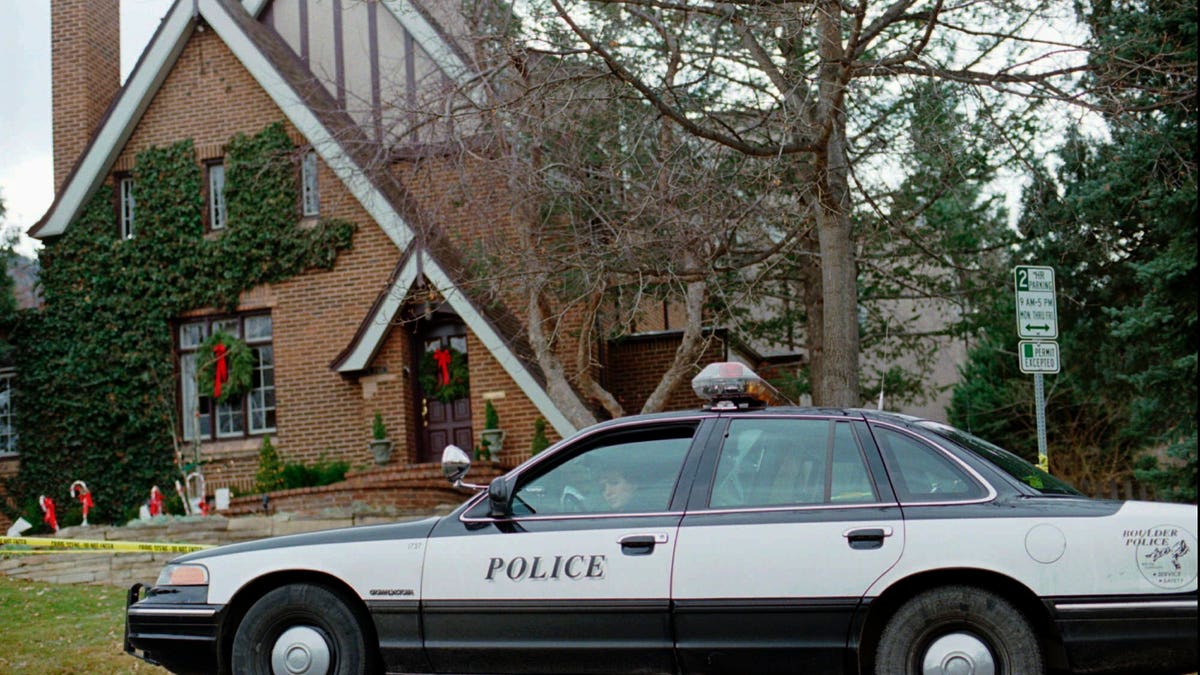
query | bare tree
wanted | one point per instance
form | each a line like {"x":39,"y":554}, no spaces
{"x":616,"y":216}
{"x":779,"y":82}
{"x":700,"y":153}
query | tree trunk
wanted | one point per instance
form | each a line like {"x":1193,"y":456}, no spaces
{"x":835,"y":379}
{"x":838,"y":376}
{"x":690,"y":347}
{"x":558,"y":388}
{"x":814,"y":312}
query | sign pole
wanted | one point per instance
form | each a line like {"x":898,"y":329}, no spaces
{"x":1039,"y":400}
{"x":1037,"y":330}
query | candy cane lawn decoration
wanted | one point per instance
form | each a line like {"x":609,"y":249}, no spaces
{"x":187,"y":507}
{"x":195,"y":486}
{"x":48,"y":516}
{"x":80,"y":491}
{"x":156,"y":502}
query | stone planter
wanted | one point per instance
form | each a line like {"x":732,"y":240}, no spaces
{"x":381,"y":450}
{"x":493,"y":439}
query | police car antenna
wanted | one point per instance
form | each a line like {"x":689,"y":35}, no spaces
{"x":883,"y":378}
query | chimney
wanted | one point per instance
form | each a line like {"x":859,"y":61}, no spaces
{"x":85,"y":57}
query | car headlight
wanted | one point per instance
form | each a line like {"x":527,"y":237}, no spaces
{"x":182,"y":575}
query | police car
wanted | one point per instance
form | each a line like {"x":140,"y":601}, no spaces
{"x":738,"y":538}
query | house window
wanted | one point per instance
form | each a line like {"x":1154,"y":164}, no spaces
{"x":217,"y":217}
{"x":311,"y":205}
{"x":251,"y":414}
{"x":125,"y":206}
{"x":8,"y":430}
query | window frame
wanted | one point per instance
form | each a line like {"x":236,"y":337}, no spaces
{"x":126,"y":205}
{"x":8,"y":414}
{"x":558,"y":455}
{"x":895,"y":475}
{"x":243,"y":411}
{"x":310,"y":185}
{"x":827,"y":454}
{"x":216,"y":215}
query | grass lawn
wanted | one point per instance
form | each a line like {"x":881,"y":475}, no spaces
{"x":64,"y":628}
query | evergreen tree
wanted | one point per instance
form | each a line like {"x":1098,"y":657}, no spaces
{"x":1117,"y":221}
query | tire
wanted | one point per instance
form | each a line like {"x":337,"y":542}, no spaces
{"x":307,"y":623}
{"x":954,"y":625}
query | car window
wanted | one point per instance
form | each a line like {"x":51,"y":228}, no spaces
{"x":921,"y":473}
{"x":790,"y":462}
{"x":628,"y":473}
{"x":1015,"y":466}
{"x":849,"y":480}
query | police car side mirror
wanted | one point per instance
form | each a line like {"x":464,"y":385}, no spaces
{"x":499,"y":498}
{"x":455,"y":464}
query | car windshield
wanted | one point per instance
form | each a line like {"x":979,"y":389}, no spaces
{"x":1006,"y":461}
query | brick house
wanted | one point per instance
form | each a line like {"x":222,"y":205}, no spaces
{"x":335,"y":346}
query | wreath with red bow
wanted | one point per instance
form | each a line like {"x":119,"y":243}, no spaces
{"x":443,"y":375}
{"x":225,"y":367}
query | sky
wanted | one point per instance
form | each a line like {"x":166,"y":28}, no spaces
{"x":26,"y":159}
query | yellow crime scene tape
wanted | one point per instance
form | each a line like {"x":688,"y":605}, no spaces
{"x":46,"y":545}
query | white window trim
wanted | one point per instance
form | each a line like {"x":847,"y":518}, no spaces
{"x":128,"y":207}
{"x":310,"y":194}
{"x":9,"y":447}
{"x":218,"y":216}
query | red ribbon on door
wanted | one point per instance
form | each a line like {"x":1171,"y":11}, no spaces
{"x":442,"y":358}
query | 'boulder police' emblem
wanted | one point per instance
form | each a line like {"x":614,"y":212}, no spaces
{"x":1166,"y":554}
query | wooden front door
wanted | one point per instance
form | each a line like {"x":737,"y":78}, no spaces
{"x":443,"y":421}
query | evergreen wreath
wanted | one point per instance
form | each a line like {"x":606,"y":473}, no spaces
{"x":239,"y":360}
{"x":437,"y":387}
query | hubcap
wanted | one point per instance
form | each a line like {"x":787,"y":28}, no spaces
{"x":300,"y":650}
{"x":958,"y":654}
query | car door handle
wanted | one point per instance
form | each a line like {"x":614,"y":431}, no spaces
{"x":867,"y":537}
{"x":641,"y":544}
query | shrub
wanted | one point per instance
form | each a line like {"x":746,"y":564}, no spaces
{"x":299,"y":475}
{"x":270,"y":469}
{"x":540,"y":442}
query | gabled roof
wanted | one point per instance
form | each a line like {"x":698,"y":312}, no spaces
{"x":340,"y":143}
{"x":497,"y":330}
{"x":231,"y":25}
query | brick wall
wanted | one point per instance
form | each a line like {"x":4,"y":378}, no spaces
{"x":469,"y":199}
{"x":314,"y":315}
{"x":85,"y":40}
{"x":209,"y":97}
{"x":320,"y":414}
{"x":516,"y":412}
{"x":636,"y":365}
{"x":418,"y":488}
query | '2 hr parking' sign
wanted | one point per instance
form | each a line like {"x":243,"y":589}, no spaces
{"x":1037,"y":311}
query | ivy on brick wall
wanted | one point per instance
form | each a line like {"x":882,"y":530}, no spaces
{"x":96,"y":390}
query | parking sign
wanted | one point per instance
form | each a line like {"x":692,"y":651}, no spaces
{"x":1037,"y":311}
{"x":1038,"y":356}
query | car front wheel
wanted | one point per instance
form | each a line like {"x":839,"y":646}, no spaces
{"x":956,"y":630}
{"x":300,"y":629}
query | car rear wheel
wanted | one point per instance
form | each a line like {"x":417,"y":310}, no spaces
{"x":958,"y":630}
{"x":300,"y":629}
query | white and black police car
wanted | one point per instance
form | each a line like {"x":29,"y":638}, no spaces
{"x":738,"y":538}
